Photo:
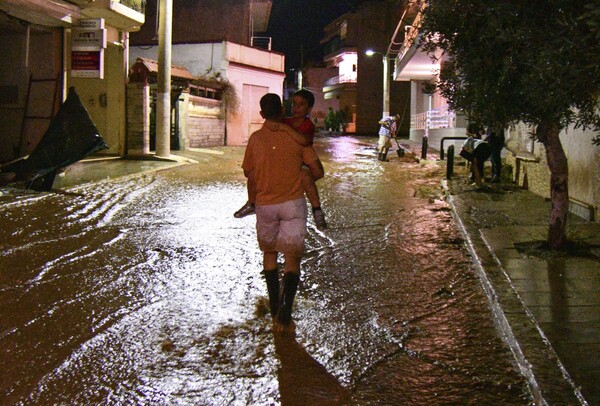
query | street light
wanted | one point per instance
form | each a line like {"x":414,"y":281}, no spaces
{"x":386,"y":81}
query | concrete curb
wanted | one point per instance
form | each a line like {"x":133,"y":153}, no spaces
{"x":548,"y":380}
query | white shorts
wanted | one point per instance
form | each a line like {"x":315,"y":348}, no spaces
{"x":384,"y":142}
{"x":282,"y":227}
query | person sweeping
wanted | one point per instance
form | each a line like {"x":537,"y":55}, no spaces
{"x":387,"y":131}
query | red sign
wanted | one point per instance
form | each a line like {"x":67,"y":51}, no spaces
{"x":88,"y":64}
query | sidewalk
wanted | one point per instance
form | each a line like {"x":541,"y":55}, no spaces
{"x":97,"y":168}
{"x":547,"y":305}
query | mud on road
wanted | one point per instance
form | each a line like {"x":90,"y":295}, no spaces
{"x":145,"y":290}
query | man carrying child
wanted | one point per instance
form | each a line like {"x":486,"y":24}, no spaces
{"x":273,"y":163}
{"x":302,"y":103}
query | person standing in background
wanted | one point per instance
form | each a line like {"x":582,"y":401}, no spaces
{"x":476,"y":151}
{"x":495,"y":138}
{"x":387,"y":131}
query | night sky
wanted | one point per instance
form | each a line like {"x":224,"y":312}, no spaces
{"x":297,"y":25}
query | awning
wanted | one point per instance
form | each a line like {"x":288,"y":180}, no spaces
{"x":49,"y":13}
{"x":414,"y":64}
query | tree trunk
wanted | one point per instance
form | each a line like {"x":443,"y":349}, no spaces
{"x":548,"y":134}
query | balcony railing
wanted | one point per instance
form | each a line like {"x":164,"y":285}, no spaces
{"x":432,"y":119}
{"x":336,"y":80}
{"x":261,"y":42}
{"x":137,"y":5}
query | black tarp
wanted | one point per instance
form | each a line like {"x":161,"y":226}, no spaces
{"x":71,"y":136}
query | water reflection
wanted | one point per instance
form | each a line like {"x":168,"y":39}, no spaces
{"x":348,"y":149}
{"x":143,"y":291}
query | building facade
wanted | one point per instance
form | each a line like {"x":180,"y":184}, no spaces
{"x":430,"y":117}
{"x":226,"y":49}
{"x":252,"y":72}
{"x":358,"y":84}
{"x":197,"y":113}
{"x":525,"y":158}
{"x":41,"y":42}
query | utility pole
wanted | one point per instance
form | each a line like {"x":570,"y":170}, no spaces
{"x":163,"y":82}
{"x":386,"y":80}
{"x":386,"y":86}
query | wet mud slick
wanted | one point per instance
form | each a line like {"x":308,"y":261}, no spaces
{"x":146,"y":290}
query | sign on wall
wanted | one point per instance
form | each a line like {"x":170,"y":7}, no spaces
{"x":87,"y":49}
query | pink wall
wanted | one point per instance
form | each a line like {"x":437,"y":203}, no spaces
{"x":250,"y":86}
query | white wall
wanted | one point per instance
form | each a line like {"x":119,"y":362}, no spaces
{"x":199,"y":59}
{"x":250,"y":85}
{"x":583,"y":160}
{"x":104,"y":99}
{"x":348,"y":65}
{"x":251,"y":71}
{"x":584,"y":165}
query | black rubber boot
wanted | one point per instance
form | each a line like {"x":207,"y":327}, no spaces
{"x":288,"y":293}
{"x":272,"y":279}
{"x":384,"y":155}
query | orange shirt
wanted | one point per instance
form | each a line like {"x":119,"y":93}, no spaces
{"x":276,"y":163}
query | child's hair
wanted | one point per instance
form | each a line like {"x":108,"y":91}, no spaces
{"x":306,"y":95}
{"x":270,"y":105}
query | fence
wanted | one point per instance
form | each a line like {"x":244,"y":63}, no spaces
{"x":432,"y":119}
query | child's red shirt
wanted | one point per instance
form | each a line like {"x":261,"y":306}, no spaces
{"x":303,"y":125}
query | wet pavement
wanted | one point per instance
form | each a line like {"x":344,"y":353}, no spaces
{"x":548,"y":303}
{"x":143,"y":289}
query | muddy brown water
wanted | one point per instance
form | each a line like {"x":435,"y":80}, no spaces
{"x":146,"y":290}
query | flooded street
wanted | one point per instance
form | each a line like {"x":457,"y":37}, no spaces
{"x":146,"y":290}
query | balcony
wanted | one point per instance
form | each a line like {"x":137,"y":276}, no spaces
{"x":412,"y":63}
{"x":335,"y":86}
{"x":126,"y":15}
{"x":42,"y":12}
{"x":336,"y":80}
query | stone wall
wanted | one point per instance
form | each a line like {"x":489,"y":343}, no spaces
{"x":205,"y":126}
{"x":205,"y":132}
{"x":201,"y":121}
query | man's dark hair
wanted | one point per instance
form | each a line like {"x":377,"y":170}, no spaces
{"x":270,"y":105}
{"x":306,"y":95}
{"x":473,"y":129}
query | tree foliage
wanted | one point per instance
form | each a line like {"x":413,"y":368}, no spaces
{"x":534,"y":61}
{"x":335,"y":120}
